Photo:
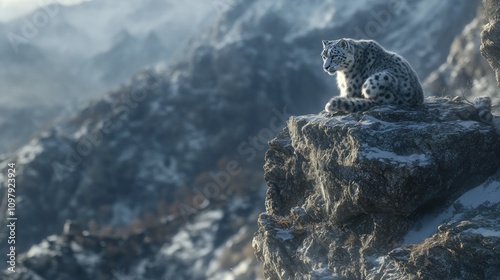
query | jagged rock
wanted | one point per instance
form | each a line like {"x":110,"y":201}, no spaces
{"x":407,"y":157}
{"x":465,"y":71}
{"x":490,"y":37}
{"x":462,"y":249}
{"x":343,"y":190}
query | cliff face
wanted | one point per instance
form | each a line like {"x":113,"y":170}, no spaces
{"x":490,"y":37}
{"x":465,"y":71}
{"x":473,"y":55}
{"x":345,"y":193}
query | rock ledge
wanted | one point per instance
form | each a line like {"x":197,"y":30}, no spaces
{"x":344,"y":190}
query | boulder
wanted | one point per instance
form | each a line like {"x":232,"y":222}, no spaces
{"x":344,"y":190}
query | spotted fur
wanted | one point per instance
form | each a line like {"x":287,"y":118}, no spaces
{"x":483,"y":106}
{"x":368,"y":75}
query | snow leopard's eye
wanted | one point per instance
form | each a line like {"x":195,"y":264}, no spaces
{"x":323,"y":54}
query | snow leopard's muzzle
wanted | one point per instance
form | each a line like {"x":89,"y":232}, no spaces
{"x":329,"y":66}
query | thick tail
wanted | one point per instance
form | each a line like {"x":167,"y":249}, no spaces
{"x":348,"y":104}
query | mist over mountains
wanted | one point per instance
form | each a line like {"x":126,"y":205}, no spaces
{"x":60,"y":49}
{"x":59,"y":57}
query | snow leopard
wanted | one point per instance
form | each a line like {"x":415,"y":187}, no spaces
{"x":369,"y":75}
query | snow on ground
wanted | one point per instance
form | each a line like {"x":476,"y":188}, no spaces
{"x":195,"y":240}
{"x":378,"y":154}
{"x":162,"y":169}
{"x":368,"y":120}
{"x":29,"y":152}
{"x":488,"y":192}
{"x":427,"y":226}
{"x":484,"y":232}
{"x":87,"y":259}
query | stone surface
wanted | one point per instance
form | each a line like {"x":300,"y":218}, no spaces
{"x":467,"y":248}
{"x":344,"y":190}
{"x":490,"y":36}
{"x":465,"y":71}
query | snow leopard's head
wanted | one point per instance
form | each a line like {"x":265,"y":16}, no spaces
{"x":337,"y":55}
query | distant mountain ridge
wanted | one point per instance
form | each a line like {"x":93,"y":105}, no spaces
{"x":61,"y":57}
{"x":68,"y":36}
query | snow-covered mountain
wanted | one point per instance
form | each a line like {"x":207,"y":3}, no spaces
{"x":160,"y":147}
{"x":72,"y":36}
{"x":58,"y":57}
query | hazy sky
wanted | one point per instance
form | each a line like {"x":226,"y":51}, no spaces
{"x":10,"y":9}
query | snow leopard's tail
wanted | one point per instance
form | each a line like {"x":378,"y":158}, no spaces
{"x":483,"y":106}
{"x":348,"y":104}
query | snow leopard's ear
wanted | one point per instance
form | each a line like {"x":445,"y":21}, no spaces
{"x":343,"y":44}
{"x":325,"y":43}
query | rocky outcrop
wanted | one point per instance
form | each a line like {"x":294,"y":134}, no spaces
{"x":490,"y":37}
{"x":465,"y":71}
{"x":345,"y":190}
{"x":473,"y":53}
{"x":465,"y":248}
